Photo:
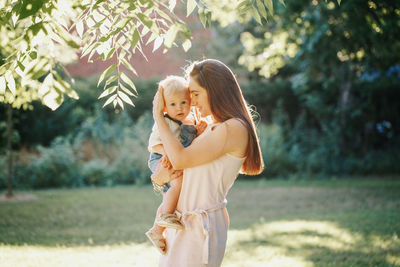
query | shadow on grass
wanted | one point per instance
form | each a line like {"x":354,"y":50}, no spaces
{"x":309,"y":243}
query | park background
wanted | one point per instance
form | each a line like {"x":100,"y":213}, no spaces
{"x":324,"y":81}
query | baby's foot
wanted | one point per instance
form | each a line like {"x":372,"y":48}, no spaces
{"x":158,"y":240}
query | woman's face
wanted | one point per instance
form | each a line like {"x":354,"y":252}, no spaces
{"x":199,"y":97}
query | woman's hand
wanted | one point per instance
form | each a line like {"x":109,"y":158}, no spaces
{"x":163,"y":175}
{"x":158,"y":104}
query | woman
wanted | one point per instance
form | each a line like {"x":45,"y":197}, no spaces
{"x":211,"y":164}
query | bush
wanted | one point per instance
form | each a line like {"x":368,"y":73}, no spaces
{"x":94,"y":172}
{"x":55,"y":166}
{"x":275,"y":155}
{"x":100,"y":153}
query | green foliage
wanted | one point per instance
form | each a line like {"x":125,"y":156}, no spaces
{"x":39,"y":37}
{"x":40,"y":125}
{"x":54,"y":167}
{"x":94,"y":173}
{"x":327,"y":76}
{"x":100,"y":153}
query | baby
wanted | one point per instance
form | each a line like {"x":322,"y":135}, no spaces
{"x":181,"y":122}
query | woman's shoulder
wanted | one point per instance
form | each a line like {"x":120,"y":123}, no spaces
{"x":237,"y":137}
{"x":236,"y":124}
{"x":235,"y":128}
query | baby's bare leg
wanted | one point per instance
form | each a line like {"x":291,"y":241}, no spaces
{"x":156,"y":227}
{"x":170,"y":198}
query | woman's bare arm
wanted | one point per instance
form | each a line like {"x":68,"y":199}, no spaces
{"x":230,"y":136}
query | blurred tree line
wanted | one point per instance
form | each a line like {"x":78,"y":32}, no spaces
{"x":328,"y":76}
{"x":323,"y":77}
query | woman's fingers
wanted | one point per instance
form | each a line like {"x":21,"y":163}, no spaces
{"x":158,"y":102}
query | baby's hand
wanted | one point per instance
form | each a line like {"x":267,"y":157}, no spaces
{"x":165,"y":162}
{"x":201,"y":127}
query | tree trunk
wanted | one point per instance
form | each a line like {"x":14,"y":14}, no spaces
{"x":9,"y":148}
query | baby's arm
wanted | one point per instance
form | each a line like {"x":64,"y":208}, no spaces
{"x":201,"y":127}
{"x":164,"y":159}
{"x":158,"y":149}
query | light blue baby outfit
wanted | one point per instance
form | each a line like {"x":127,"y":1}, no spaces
{"x":186,"y":135}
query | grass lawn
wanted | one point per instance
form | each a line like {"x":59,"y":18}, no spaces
{"x":351,"y":222}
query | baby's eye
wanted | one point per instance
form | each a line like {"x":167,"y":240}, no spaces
{"x":183,"y":102}
{"x":173,"y":104}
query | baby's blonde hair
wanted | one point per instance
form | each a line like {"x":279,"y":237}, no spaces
{"x":173,"y":84}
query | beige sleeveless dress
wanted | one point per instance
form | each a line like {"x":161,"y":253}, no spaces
{"x":201,"y":207}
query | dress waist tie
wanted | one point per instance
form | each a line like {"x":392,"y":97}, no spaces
{"x":203,"y":214}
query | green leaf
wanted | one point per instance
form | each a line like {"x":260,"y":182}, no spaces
{"x":270,"y":5}
{"x":20,"y":65}
{"x":110,"y":80}
{"x":125,"y":98}
{"x":152,"y":38}
{"x":65,"y":86}
{"x":67,"y":37}
{"x":10,"y":82}
{"x":261,"y":8}
{"x":170,"y":36}
{"x":29,"y":8}
{"x":126,"y":90}
{"x":50,"y":95}
{"x":256,"y":15}
{"x":128,"y":66}
{"x":108,"y":91}
{"x":110,"y":53}
{"x":33,"y":54}
{"x":282,"y":2}
{"x":120,"y":103}
{"x":110,"y":99}
{"x":164,"y":15}
{"x":128,"y":81}
{"x":157,"y":43}
{"x":79,"y":28}
{"x":135,"y":39}
{"x":245,"y":9}
{"x":339,"y":1}
{"x":121,"y":24}
{"x":107,"y":72}
{"x":2,"y":85}
{"x":190,"y":6}
{"x":35,"y":28}
{"x":172,"y":4}
{"x":145,"y":20}
{"x":203,"y":18}
{"x":90,"y":49}
{"x":187,"y":44}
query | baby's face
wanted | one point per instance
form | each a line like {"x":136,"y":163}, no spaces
{"x":178,"y":104}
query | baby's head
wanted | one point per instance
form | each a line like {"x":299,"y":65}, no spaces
{"x":176,"y":97}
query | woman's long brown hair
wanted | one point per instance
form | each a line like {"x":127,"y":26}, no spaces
{"x":227,"y":102}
